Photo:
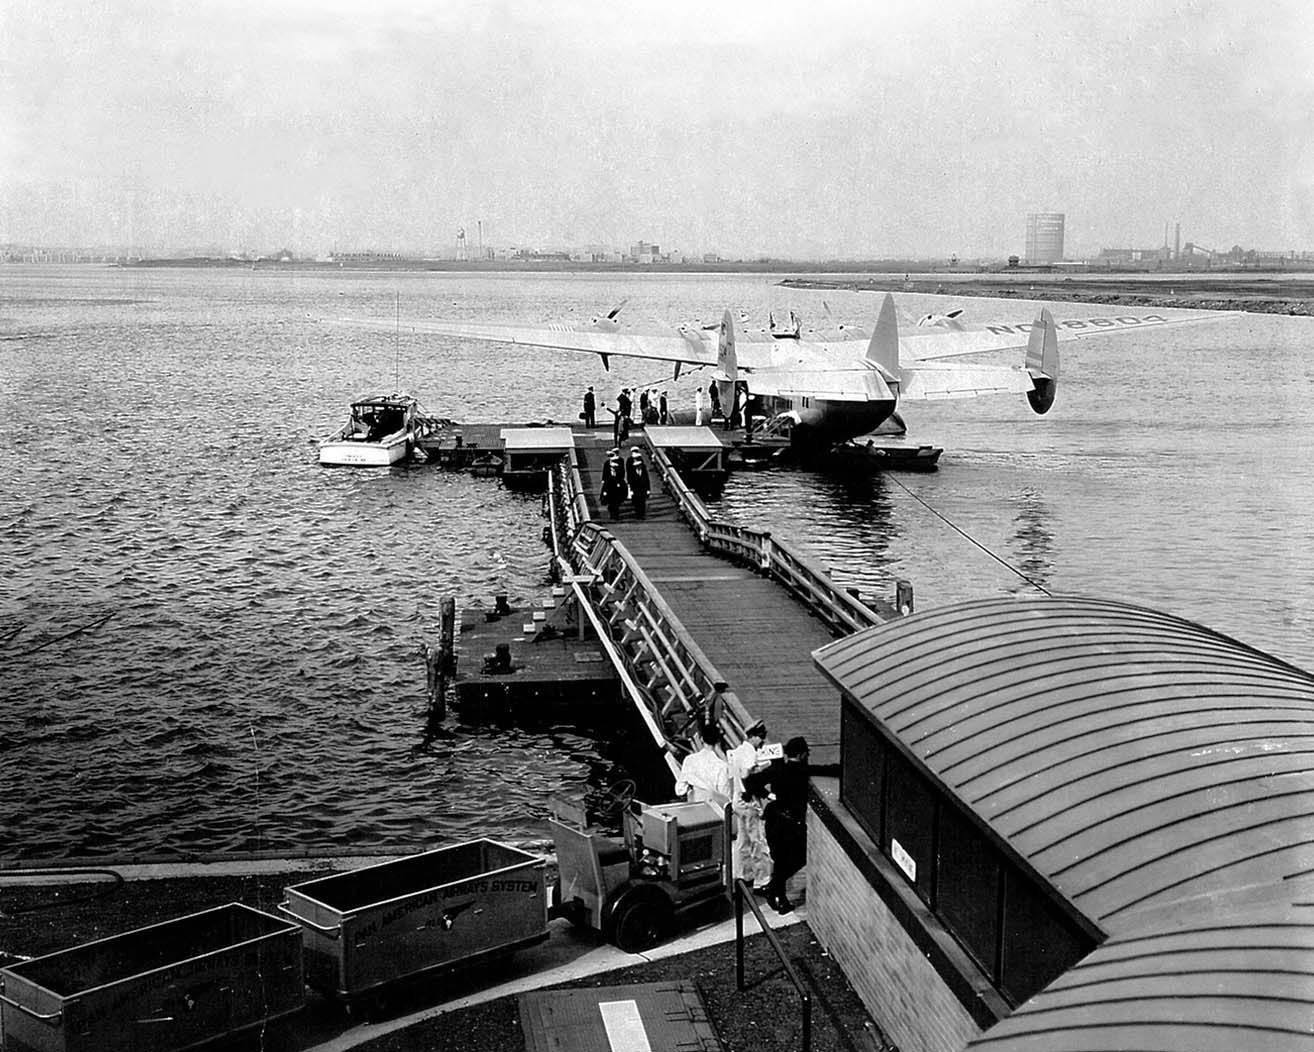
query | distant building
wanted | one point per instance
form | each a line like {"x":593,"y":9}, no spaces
{"x":645,"y":253}
{"x":1044,"y":237}
{"x":1125,"y":256}
{"x":368,"y":256}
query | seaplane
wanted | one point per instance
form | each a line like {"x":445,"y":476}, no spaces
{"x":827,"y":386}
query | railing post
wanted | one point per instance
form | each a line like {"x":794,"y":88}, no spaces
{"x":739,"y":935}
{"x":447,"y":636}
{"x":903,"y":597}
{"x":744,"y":892}
{"x":767,"y":549}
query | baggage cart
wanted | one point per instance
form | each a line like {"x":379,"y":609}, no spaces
{"x":169,"y":986}
{"x":426,"y":912}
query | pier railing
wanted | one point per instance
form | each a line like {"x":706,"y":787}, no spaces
{"x":840,"y":608}
{"x":664,"y":669}
{"x":567,"y":508}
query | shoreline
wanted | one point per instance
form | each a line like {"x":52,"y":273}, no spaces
{"x":1239,"y":293}
{"x":1262,"y":291}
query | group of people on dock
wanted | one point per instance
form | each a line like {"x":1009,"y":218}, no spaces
{"x":653,"y":408}
{"x":621,"y":479}
{"x":768,"y":799}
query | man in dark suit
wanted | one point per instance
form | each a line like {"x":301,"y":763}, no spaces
{"x":784,"y":787}
{"x":636,"y":474}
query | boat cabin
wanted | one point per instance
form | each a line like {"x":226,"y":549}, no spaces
{"x":376,"y":417}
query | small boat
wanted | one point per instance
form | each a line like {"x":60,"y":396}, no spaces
{"x":382,"y":430}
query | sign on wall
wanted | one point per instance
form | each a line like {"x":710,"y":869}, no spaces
{"x":903,"y":860}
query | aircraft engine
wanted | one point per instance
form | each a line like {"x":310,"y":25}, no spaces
{"x":942,"y":321}
{"x":1042,"y":396}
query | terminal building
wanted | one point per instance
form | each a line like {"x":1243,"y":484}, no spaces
{"x":1068,"y":824}
{"x":1044,"y":237}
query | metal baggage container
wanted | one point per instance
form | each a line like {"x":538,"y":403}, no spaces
{"x":429,"y":911}
{"x":165,"y":987}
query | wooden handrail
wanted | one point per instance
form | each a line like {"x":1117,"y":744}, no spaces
{"x":686,"y":673}
{"x":838,"y":607}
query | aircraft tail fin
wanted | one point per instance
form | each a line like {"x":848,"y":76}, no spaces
{"x":883,"y":350}
{"x":727,"y":363}
{"x":1043,"y":362}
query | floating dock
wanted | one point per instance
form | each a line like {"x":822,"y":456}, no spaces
{"x":520,"y":454}
{"x":530,"y":664}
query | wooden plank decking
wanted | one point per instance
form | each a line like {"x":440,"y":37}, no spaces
{"x":756,"y":634}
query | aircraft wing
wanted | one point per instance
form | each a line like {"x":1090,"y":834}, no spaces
{"x":920,"y":346}
{"x":605,"y":339}
{"x":833,"y":385}
{"x":932,"y":382}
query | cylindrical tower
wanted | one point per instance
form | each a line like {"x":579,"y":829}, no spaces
{"x":1044,"y":237}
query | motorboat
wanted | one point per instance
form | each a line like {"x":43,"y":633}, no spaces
{"x":382,"y":430}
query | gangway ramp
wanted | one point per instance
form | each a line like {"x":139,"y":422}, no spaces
{"x":722,"y":585}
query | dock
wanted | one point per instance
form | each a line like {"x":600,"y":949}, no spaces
{"x":517,"y":453}
{"x":697,"y":619}
{"x":530,"y":664}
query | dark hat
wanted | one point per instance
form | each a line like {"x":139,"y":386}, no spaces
{"x":758,"y":728}
{"x":796,"y":747}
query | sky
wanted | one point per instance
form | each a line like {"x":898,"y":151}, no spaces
{"x":814,"y":130}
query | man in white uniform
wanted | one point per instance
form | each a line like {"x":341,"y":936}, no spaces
{"x":704,"y":774}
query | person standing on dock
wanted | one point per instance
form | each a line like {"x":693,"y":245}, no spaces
{"x":623,"y":403}
{"x":698,"y":407}
{"x":590,"y":409}
{"x":750,"y":859}
{"x":636,"y":475}
{"x":784,"y":788}
{"x":613,"y":483}
{"x":704,"y":775}
{"x":663,"y":412}
{"x":643,"y":405}
{"x":715,"y":396}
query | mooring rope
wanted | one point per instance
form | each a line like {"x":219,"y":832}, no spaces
{"x":67,"y":635}
{"x":968,"y":537}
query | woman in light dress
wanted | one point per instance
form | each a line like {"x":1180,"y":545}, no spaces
{"x":750,"y":859}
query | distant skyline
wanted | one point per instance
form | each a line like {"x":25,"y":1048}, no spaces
{"x":819,"y":130}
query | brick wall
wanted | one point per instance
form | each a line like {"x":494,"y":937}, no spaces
{"x":903,"y":991}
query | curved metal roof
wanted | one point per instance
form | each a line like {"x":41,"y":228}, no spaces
{"x":1160,"y":775}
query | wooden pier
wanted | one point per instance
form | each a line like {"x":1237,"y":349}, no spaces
{"x":702,"y":455}
{"x":699,"y":619}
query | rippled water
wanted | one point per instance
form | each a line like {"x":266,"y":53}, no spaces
{"x":258,"y":683}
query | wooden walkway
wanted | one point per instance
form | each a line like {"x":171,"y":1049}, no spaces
{"x":756,"y":634}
